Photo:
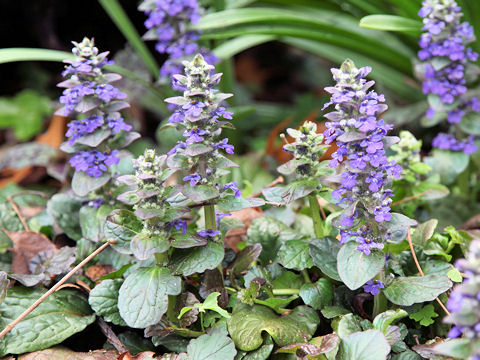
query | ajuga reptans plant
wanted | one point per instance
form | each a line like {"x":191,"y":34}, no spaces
{"x":167,"y":23}
{"x":99,"y":130}
{"x":447,"y":63}
{"x":365,"y":172}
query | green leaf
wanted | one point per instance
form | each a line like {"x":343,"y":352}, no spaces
{"x":391,"y":23}
{"x":120,"y":18}
{"x":294,"y":254}
{"x":366,"y":345}
{"x":406,"y":291}
{"x":122,"y":225}
{"x":398,"y":227}
{"x":28,"y":54}
{"x":470,"y":124}
{"x":459,"y":348}
{"x":28,"y":154}
{"x":448,"y":164}
{"x":298,"y":190}
{"x":347,"y":325}
{"x":104,"y":301}
{"x":230,"y":48}
{"x":82,"y":184}
{"x":425,"y":315}
{"x":324,"y":254}
{"x":92,"y":221}
{"x":245,"y":258}
{"x":196,"y":260}
{"x":407,"y":355}
{"x":65,"y":211}
{"x":424,"y":231}
{"x":248,"y":323}
{"x":144,"y":246}
{"x":4,"y":282}
{"x":318,"y":294}
{"x":211,"y":347}
{"x":143,"y":297}
{"x":455,"y":275}
{"x":430,"y":191}
{"x":355,"y":268}
{"x":210,"y":303}
{"x":384,"y":320}
{"x":200,"y":193}
{"x":232,"y":203}
{"x":59,"y":316}
{"x":267,"y":231}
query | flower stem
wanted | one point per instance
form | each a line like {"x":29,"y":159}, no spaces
{"x":379,"y":300}
{"x":315,"y":210}
{"x":210,"y":222}
{"x":160,"y":258}
{"x":286,"y":291}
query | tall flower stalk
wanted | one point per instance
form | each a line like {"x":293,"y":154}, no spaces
{"x":168,"y":22}
{"x":307,"y":149}
{"x":99,"y":130}
{"x":199,"y":115}
{"x":364,"y":171}
{"x":446,"y":56}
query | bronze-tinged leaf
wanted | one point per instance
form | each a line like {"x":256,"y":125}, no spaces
{"x":95,"y":272}
{"x":27,"y":244}
{"x":234,"y":236}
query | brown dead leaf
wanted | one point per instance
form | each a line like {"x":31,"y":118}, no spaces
{"x":234,"y":236}
{"x":60,"y":353}
{"x":95,"y":272}
{"x":27,"y":244}
{"x":145,"y":355}
{"x":31,"y":211}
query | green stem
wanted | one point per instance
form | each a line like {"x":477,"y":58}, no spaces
{"x":463,"y":182}
{"x":286,"y":291}
{"x":210,"y":222}
{"x":186,"y":332}
{"x":201,"y":321}
{"x":379,"y":300}
{"x":306,"y":277}
{"x":315,"y":210}
{"x":160,"y":258}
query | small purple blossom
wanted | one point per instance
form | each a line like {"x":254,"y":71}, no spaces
{"x":234,"y":187}
{"x":223,"y":144}
{"x":117,"y":124}
{"x":373,"y":287}
{"x":80,"y":128}
{"x":208,"y":233}
{"x":219,"y":216}
{"x":179,"y":224}
{"x":193,"y":179}
{"x":195,"y":135}
{"x":72,"y":96}
{"x":107,"y":93}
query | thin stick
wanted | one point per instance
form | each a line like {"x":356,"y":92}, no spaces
{"x":15,"y":206}
{"x":420,"y":269}
{"x":17,"y":211}
{"x":54,"y":288}
{"x":273,"y":203}
{"x":112,"y":338}
{"x":321,"y":209}
{"x":410,"y":198}
{"x":278,"y":180}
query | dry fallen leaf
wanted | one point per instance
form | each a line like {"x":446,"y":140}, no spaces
{"x":60,"y":353}
{"x":234,"y":236}
{"x":27,"y":244}
{"x":95,"y":272}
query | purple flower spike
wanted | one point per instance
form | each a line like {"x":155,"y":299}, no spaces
{"x":445,"y":41}
{"x":373,"y":287}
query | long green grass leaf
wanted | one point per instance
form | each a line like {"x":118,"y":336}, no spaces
{"x":118,"y":16}
{"x":391,"y":23}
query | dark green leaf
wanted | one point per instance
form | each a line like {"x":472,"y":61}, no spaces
{"x":29,"y":154}
{"x":298,"y":190}
{"x":324,"y":253}
{"x":200,"y":193}
{"x":143,"y":297}
{"x":449,"y":164}
{"x":244,"y":258}
{"x":59,"y":316}
{"x":65,"y":211}
{"x":355,"y":268}
{"x":459,"y":348}
{"x":424,"y":231}
{"x":211,"y":347}
{"x":104,"y":299}
{"x":232,"y":203}
{"x":196,"y":260}
{"x":384,"y":320}
{"x":406,"y":291}
{"x":145,"y":246}
{"x":294,"y":254}
{"x":248,"y":323}
{"x":318,"y":294}
{"x":122,"y":225}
